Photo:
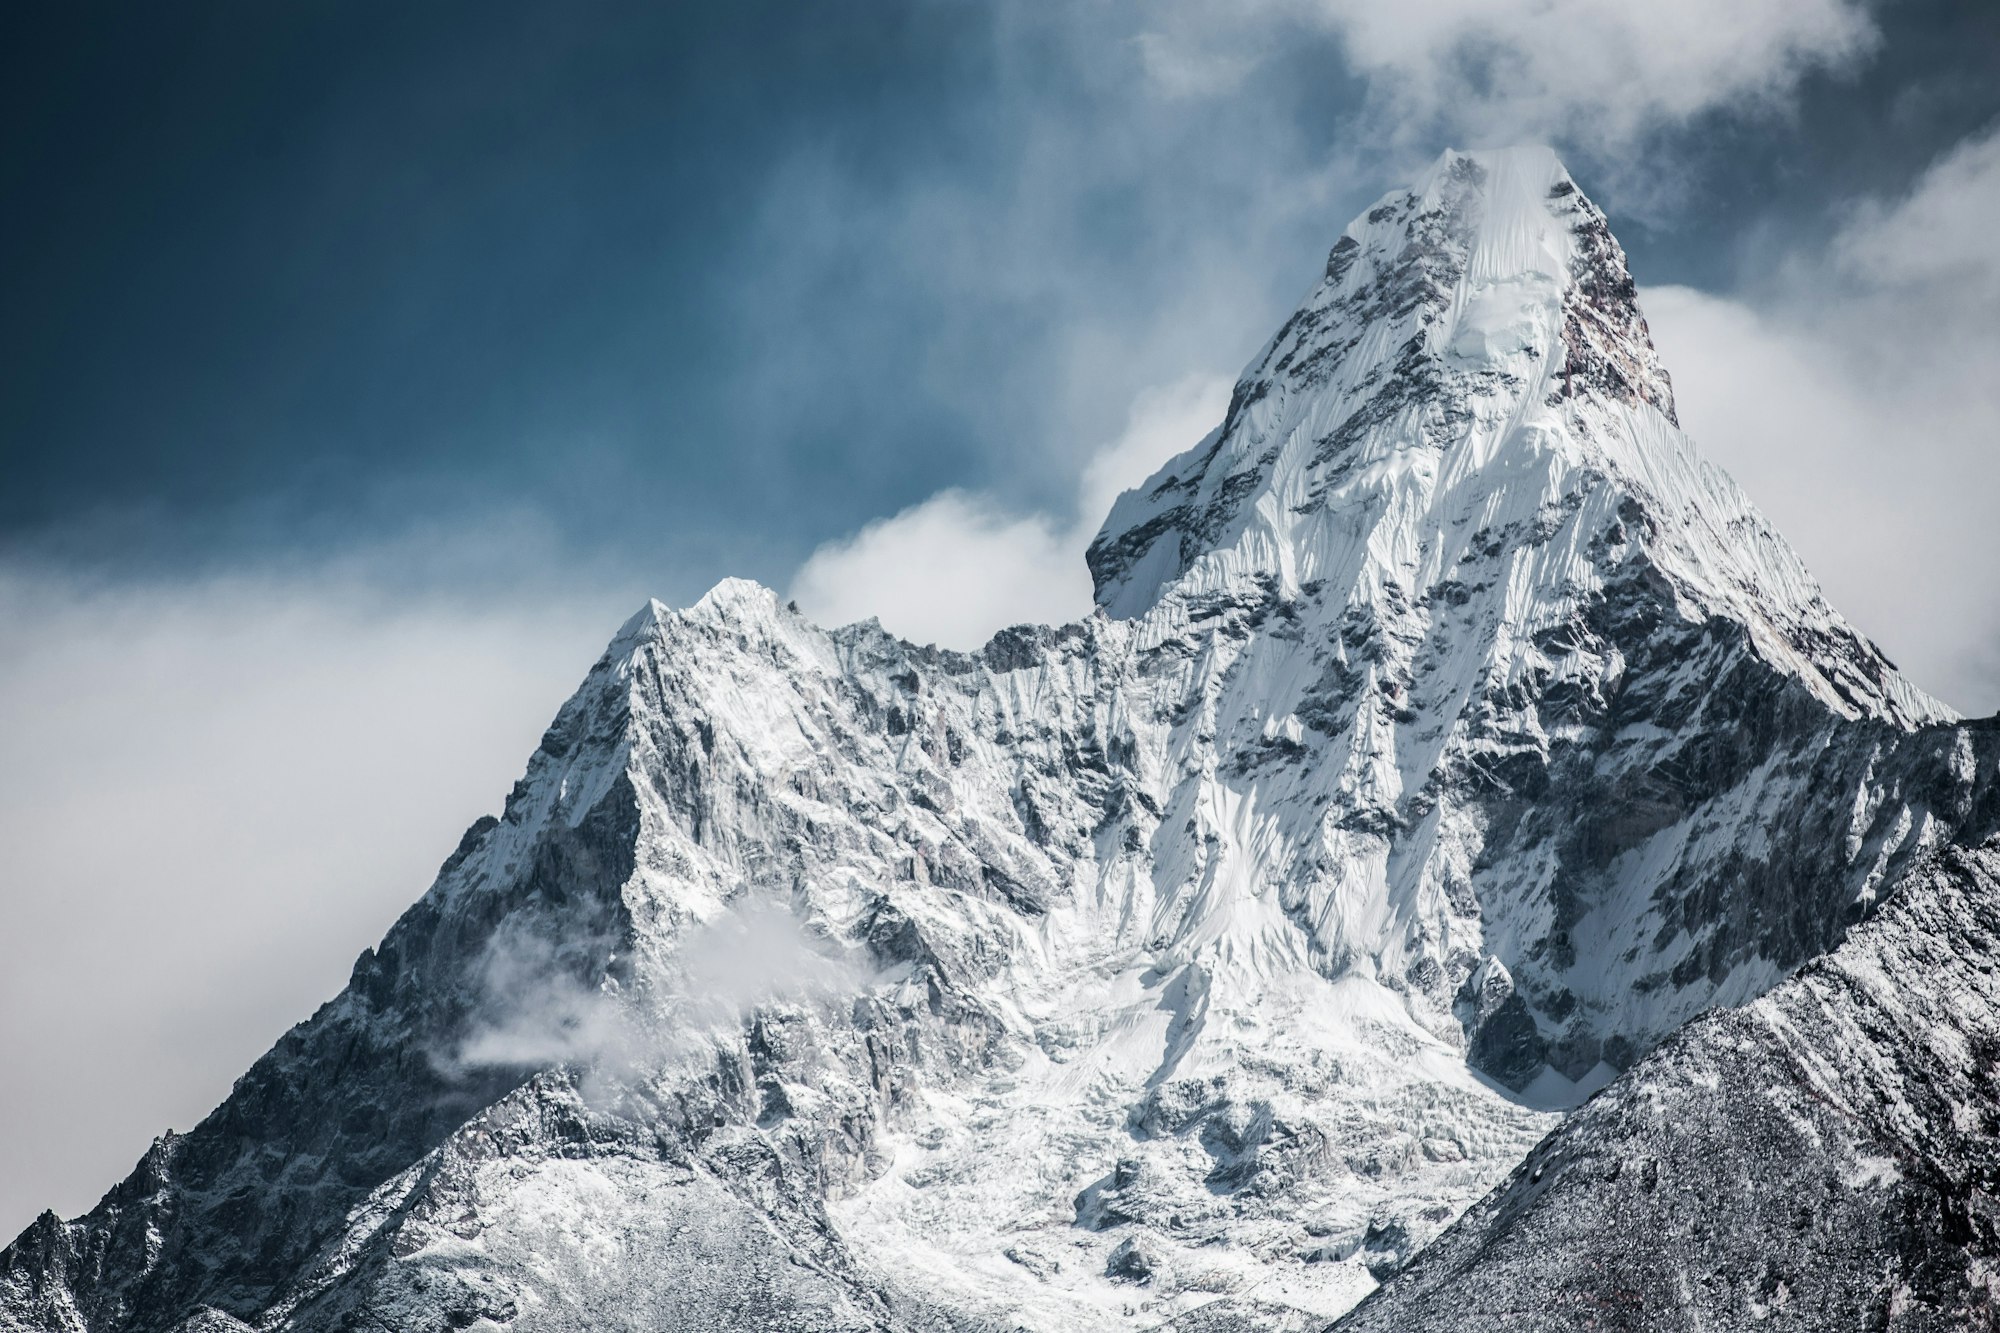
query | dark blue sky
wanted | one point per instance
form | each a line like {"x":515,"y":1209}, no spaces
{"x":690,"y":289}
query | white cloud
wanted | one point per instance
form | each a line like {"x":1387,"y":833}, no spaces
{"x":1940,"y":233}
{"x":1161,"y":422}
{"x":217,"y":792}
{"x":1857,"y":406}
{"x":956,"y":568}
{"x":1600,"y":74}
{"x":949,"y":571}
{"x":1600,"y":69}
{"x":535,"y":1012}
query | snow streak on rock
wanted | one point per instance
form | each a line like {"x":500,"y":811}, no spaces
{"x":1449,"y":734}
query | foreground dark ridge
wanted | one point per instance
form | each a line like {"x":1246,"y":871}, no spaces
{"x":1826,"y":1158}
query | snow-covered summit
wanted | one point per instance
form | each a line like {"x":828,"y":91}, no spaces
{"x":1473,"y":367}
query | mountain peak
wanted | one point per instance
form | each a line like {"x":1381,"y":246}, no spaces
{"x":1470,"y":381}
{"x":1486,"y":301}
{"x":1512,"y":187}
{"x":1497,"y":256}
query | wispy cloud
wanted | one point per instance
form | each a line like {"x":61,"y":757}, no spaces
{"x":1938,"y":236}
{"x":1600,"y":73}
{"x":1603,"y":72}
{"x":536,"y":1011}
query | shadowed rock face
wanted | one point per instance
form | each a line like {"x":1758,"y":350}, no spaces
{"x":1825,"y":1158}
{"x":1448,"y":734}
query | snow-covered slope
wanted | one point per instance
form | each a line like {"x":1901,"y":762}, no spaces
{"x":1449,"y":734}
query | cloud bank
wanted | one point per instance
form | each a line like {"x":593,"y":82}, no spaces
{"x":218,"y":791}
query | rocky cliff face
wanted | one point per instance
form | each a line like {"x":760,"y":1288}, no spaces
{"x":1449,"y":734}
